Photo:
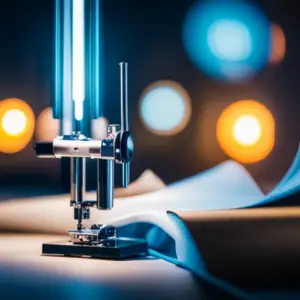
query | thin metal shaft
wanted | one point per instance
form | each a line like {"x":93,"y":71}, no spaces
{"x":124,"y":95}
{"x":125,"y":174}
{"x":73,"y":178}
{"x":105,"y":184}
{"x":124,"y":116}
{"x":78,"y":184}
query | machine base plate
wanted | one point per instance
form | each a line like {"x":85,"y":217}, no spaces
{"x":116,"y":248}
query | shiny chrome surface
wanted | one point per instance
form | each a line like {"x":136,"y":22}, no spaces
{"x":124,"y":117}
{"x":95,"y":234}
{"x":105,"y":184}
{"x":68,"y":147}
{"x":125,"y":174}
{"x":124,"y":95}
{"x":106,"y":169}
{"x":107,"y":149}
{"x":112,"y":130}
{"x":78,"y":177}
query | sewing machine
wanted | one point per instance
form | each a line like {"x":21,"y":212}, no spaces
{"x":99,"y":240}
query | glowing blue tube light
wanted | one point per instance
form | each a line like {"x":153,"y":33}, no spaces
{"x":78,"y":57}
{"x":78,"y":84}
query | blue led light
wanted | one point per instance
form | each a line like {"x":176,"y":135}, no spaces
{"x":78,"y":84}
{"x":164,"y":109}
{"x":228,"y":40}
{"x":78,"y":66}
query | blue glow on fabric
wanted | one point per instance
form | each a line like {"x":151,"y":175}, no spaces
{"x":244,"y":194}
{"x":161,"y":246}
{"x":227,"y":40}
{"x":163,"y":108}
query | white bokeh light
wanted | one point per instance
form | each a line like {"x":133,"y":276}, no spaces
{"x":14,"y":122}
{"x":247,"y":130}
{"x":165,"y":108}
{"x":229,"y":40}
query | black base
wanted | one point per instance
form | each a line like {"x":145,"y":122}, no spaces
{"x":111,"y":249}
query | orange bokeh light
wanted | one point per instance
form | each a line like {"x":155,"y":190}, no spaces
{"x":17,"y":124}
{"x":278,"y":44}
{"x":246,"y":131}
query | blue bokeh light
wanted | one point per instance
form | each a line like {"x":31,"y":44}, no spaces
{"x":228,"y":40}
{"x":164,"y":109}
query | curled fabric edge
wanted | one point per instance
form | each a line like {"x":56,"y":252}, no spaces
{"x":161,"y":229}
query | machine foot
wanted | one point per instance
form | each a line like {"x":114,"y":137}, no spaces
{"x":116,"y":248}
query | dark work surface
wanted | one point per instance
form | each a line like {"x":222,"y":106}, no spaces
{"x":25,"y":274}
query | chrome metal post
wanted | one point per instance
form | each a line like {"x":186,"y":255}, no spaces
{"x":78,"y":187}
{"x":124,"y":95}
{"x":105,"y":184}
{"x":124,"y":116}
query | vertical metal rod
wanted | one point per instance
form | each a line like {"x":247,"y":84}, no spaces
{"x":72,"y":177}
{"x":78,"y":184}
{"x":83,"y":178}
{"x":105,"y":184}
{"x":124,"y":95}
{"x":125,"y":174}
{"x":124,"y":116}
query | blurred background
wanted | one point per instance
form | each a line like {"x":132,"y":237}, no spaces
{"x":208,"y":81}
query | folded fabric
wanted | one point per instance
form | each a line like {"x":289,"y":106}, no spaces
{"x":226,"y":186}
{"x":287,"y":190}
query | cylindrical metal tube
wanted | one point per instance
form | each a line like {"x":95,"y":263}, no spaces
{"x":105,"y":184}
{"x":72,"y":178}
{"x":124,"y":117}
{"x":77,"y":179}
{"x":94,"y":57}
{"x":124,"y":95}
{"x":125,"y":174}
{"x":83,"y":178}
{"x":78,"y":185}
{"x":78,"y":80}
{"x":62,"y":100}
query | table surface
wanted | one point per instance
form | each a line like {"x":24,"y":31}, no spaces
{"x":25,"y":273}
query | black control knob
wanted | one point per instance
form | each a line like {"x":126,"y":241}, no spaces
{"x":127,"y":147}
